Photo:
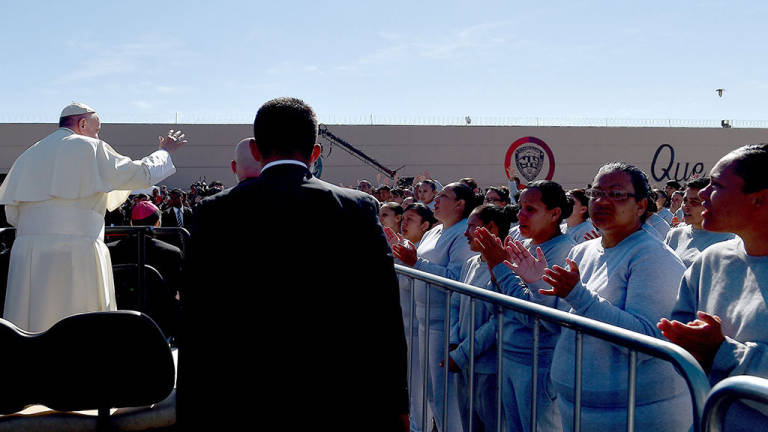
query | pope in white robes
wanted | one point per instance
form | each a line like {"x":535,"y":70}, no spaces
{"x":56,"y":195}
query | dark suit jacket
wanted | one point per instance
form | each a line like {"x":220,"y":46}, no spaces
{"x":299,"y":320}
{"x":168,"y":218}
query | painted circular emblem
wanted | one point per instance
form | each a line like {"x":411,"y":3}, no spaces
{"x":528,"y":157}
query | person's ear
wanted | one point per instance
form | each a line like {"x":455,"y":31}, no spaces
{"x":642,"y":206}
{"x":316,"y":150}
{"x":760,"y":198}
{"x":493,"y":228}
{"x":424,"y":226}
{"x":233,"y":166}
{"x":461,"y":204}
{"x":556,"y":212}
{"x":255,"y":150}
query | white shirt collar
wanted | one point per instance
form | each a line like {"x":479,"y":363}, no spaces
{"x":284,"y":162}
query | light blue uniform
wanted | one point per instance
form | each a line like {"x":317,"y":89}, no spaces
{"x":631,"y":285}
{"x":415,"y":376}
{"x":688,"y":242}
{"x":726,"y":282}
{"x":441,"y":252}
{"x":656,"y":226}
{"x":576,"y":233}
{"x":476,"y":273}
{"x":518,"y":344}
{"x":666,"y":214}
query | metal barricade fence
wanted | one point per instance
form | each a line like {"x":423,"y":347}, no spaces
{"x":725,"y":393}
{"x":141,"y":233}
{"x":8,"y":235}
{"x":685,"y":364}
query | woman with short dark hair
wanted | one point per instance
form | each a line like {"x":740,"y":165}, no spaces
{"x":543,"y":206}
{"x":577,"y":224}
{"x":390,"y":215}
{"x":498,"y":196}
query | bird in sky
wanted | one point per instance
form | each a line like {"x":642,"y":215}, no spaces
{"x":720,"y":92}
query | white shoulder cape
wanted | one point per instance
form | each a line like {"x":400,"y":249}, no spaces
{"x":65,"y":165}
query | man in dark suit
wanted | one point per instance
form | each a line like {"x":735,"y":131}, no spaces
{"x":176,"y":215}
{"x":298,"y":328}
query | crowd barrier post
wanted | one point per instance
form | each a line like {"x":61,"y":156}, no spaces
{"x":725,"y":393}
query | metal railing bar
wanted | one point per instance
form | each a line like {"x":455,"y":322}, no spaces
{"x":410,"y":333}
{"x":728,"y":391}
{"x":632,"y":391}
{"x":535,"y":373}
{"x":446,"y":351}
{"x":499,"y":366}
{"x":472,"y":302}
{"x":577,"y":382}
{"x":425,"y":360}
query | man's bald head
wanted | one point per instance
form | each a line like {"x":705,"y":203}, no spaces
{"x":245,"y":165}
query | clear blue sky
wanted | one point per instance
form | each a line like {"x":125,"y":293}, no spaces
{"x":218,"y":61}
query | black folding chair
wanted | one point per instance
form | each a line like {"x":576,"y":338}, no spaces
{"x":91,"y":361}
{"x":151,"y":296}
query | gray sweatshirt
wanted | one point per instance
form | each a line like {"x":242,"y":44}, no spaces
{"x":476,"y":273}
{"x":631,"y":285}
{"x":518,"y":328}
{"x":727,"y":282}
{"x":688,"y":242}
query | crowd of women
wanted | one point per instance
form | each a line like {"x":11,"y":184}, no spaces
{"x":533,"y":245}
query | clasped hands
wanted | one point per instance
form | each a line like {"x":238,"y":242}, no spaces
{"x":701,"y":337}
{"x":402,"y":248}
{"x":529,"y":268}
{"x":452,"y":365}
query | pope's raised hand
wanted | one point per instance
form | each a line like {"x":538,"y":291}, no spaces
{"x":172,"y":142}
{"x":523,"y":263}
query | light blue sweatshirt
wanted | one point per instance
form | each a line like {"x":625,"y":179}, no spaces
{"x":631,"y":285}
{"x":666,"y":214}
{"x":476,"y":273}
{"x":688,"y":242}
{"x":441,"y":252}
{"x":727,"y":282}
{"x":576,"y":233}
{"x":657,"y":226}
{"x":518,"y":328}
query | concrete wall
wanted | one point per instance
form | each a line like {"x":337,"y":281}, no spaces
{"x":446,"y":152}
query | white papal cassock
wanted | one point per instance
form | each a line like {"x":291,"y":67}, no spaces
{"x":56,"y":195}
